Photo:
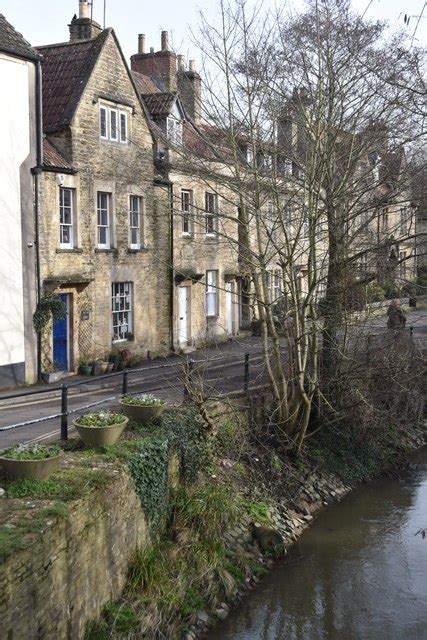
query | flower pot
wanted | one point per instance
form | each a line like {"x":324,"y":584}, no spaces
{"x":96,"y":368}
{"x":51,"y":377}
{"x":103,"y":367}
{"x":110,"y":367}
{"x":86,"y":369}
{"x":38,"y":469}
{"x":142,"y":413}
{"x":101,"y":436}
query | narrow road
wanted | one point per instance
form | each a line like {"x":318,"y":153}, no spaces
{"x":221,"y":368}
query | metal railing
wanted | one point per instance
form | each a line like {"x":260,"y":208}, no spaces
{"x":188,"y":367}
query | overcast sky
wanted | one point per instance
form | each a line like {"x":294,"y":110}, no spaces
{"x":45,"y":21}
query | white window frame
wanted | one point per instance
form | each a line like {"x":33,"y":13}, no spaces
{"x":211,"y":293}
{"x":174,"y":130}
{"x":111,"y":112}
{"x":138,"y":227}
{"x":211,"y":215}
{"x":186,"y":212}
{"x":107,"y":226}
{"x":122,"y":310}
{"x":123,"y":139}
{"x":70,"y":224}
{"x":103,"y":109}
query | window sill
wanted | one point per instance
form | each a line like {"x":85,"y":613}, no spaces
{"x":187,"y":236}
{"x":211,"y":236}
{"x":74,"y":250}
{"x":140,"y":250}
{"x":111,"y":250}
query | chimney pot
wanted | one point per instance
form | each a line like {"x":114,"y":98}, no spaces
{"x":84,"y":9}
{"x":165,"y":41}
{"x":181,"y":63}
{"x":141,"y":43}
{"x":192,"y":66}
{"x":151,"y":49}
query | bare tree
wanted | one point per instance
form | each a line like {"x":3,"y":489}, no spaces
{"x":310,"y":126}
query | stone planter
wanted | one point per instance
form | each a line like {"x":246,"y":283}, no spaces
{"x":101,"y":436}
{"x":55,"y":376}
{"x":38,"y":469}
{"x":142,"y":413}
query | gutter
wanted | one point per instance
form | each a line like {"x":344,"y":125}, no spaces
{"x":36,"y":171}
{"x":171,"y":268}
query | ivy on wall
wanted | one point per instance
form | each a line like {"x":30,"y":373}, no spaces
{"x":181,"y":431}
{"x":49,"y":306}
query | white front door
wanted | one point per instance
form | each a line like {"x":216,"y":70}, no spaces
{"x":229,"y":307}
{"x":184,"y":333}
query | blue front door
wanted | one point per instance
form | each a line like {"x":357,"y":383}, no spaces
{"x":60,"y":338}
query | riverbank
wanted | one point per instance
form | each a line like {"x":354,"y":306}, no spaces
{"x":157,"y":532}
{"x":209,"y":556}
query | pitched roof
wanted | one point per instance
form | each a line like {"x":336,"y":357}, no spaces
{"x":52,"y":158}
{"x":66,"y":69}
{"x":13,"y":42}
{"x":159,"y":104}
{"x":144,"y":83}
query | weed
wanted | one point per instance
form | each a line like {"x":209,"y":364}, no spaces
{"x":258,"y":511}
{"x":208,"y":508}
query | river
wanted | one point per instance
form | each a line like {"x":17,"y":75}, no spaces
{"x":359,"y":573}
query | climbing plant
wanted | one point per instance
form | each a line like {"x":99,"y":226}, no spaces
{"x":180,"y":431}
{"x":49,"y":306}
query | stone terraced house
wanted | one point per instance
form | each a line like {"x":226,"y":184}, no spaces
{"x":204,"y":256}
{"x":103,"y":248}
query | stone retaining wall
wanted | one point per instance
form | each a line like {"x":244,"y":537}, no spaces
{"x":62,"y":580}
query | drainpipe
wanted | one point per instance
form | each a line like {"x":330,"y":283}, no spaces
{"x":36,"y":171}
{"x":171,"y":268}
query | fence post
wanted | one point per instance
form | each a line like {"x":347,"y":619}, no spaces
{"x":246,"y":374}
{"x":187,"y":377}
{"x":125,"y":383}
{"x":64,"y":412}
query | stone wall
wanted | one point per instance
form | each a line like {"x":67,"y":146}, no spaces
{"x":62,"y":580}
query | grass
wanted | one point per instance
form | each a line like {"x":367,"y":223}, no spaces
{"x":207,"y":508}
{"x":258,"y":511}
{"x":69,"y":484}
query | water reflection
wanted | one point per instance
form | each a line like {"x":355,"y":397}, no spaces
{"x":359,"y":573}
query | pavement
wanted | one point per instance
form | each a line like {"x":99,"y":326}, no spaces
{"x":221,"y":367}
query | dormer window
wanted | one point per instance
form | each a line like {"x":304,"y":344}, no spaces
{"x":113,"y":124}
{"x":174,"y":130}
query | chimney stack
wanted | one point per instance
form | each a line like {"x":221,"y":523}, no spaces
{"x":190,"y":91}
{"x":158,"y":65}
{"x":141,"y":43}
{"x":165,"y":41}
{"x":83,"y":27}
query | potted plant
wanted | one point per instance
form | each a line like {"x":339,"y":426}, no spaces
{"x":30,"y":460}
{"x":85,"y":367}
{"x":51,"y":373}
{"x":103,"y":365}
{"x":96,"y":367}
{"x":100,"y":428}
{"x":142,"y":407}
{"x":114,"y":359}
